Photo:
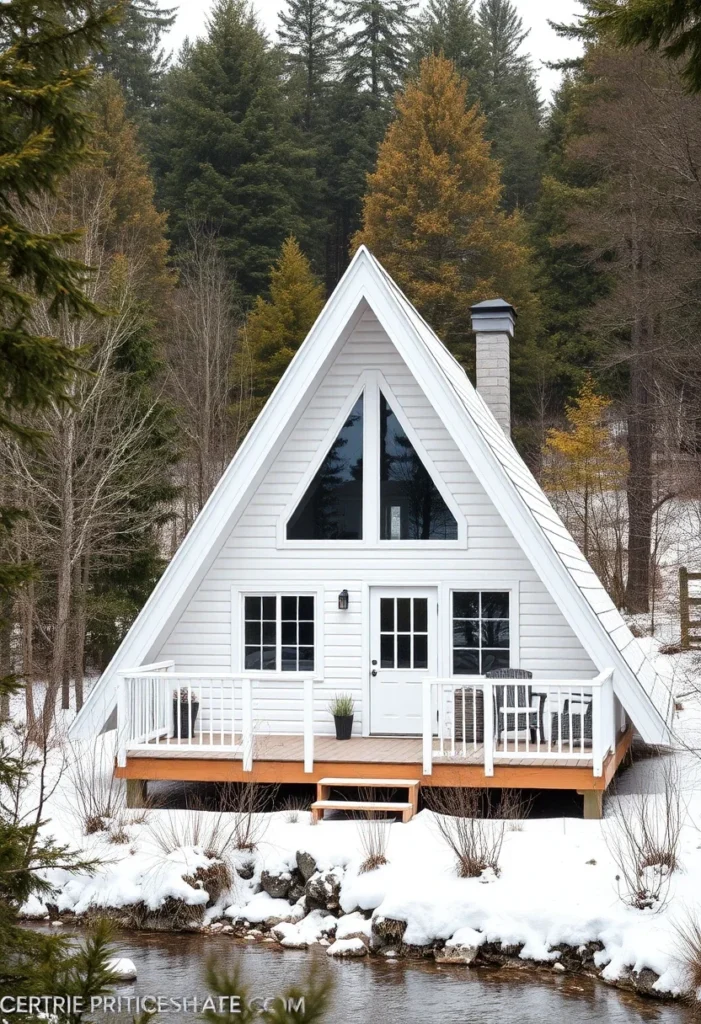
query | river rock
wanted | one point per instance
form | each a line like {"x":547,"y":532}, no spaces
{"x":462,"y":948}
{"x":277,"y":886}
{"x":388,"y":929}
{"x":306,"y":864}
{"x":246,"y":871}
{"x":347,"y":948}
{"x":353,"y":926}
{"x":644,"y":982}
{"x":296,"y":891}
{"x":122,"y":969}
{"x":290,"y":936}
{"x":323,"y":891}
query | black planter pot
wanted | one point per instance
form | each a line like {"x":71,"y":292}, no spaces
{"x":344,"y":726}
{"x":184,"y":718}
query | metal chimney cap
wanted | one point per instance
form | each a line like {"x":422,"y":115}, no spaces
{"x":494,"y":316}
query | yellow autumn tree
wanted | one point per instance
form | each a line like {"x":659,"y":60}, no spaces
{"x":276,"y":327}
{"x":432,"y":212}
{"x":585,"y":468}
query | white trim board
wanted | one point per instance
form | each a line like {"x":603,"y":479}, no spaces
{"x":507,"y":481}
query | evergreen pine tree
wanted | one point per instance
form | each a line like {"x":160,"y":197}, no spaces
{"x":485,"y":46}
{"x":307,"y":33}
{"x":375,"y":52}
{"x":570,"y":283}
{"x":432,"y":211}
{"x":275,"y":328}
{"x":44,"y":131}
{"x":225,"y":151}
{"x":450,"y":28}
{"x":348,"y":153}
{"x":510,"y":99}
{"x":133,"y":53}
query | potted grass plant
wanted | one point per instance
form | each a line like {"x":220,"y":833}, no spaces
{"x":342,"y":707}
{"x":185,"y":710}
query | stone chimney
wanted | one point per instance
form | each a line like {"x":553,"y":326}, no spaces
{"x":493,"y":323}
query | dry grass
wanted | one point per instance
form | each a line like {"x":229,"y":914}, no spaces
{"x":689,"y":949}
{"x":374,"y":832}
{"x":293,"y":806}
{"x":245,"y":803}
{"x":470,"y":827}
{"x":642,"y":832}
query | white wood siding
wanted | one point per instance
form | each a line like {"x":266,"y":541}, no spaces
{"x":251,"y":558}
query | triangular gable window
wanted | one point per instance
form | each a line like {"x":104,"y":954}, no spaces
{"x":411,"y":506}
{"x":332,"y":507}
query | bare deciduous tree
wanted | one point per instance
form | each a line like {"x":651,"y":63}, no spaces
{"x":205,"y":336}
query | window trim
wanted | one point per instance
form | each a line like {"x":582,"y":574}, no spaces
{"x":370,"y":384}
{"x":506,"y":586}
{"x":238,"y":646}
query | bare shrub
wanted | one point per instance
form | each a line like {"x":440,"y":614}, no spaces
{"x":99,"y":796}
{"x":688,"y":952}
{"x":117,"y":832}
{"x":236,"y":823}
{"x":245,"y":803}
{"x":469,"y":826}
{"x":294,"y":806}
{"x":208,"y":831}
{"x":374,"y":835}
{"x":642,"y":832}
{"x":374,"y":832}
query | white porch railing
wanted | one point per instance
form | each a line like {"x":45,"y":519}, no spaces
{"x":161,"y":710}
{"x":543,"y":719}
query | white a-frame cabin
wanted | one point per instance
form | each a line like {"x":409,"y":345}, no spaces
{"x":378,"y":534}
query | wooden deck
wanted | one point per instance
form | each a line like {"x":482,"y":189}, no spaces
{"x":365,"y":749}
{"x":281,"y":759}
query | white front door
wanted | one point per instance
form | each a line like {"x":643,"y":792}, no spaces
{"x":403,"y":626}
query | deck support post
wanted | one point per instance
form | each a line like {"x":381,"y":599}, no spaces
{"x":593,"y":803}
{"x":137,"y":793}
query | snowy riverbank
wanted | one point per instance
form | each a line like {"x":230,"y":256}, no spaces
{"x":554,"y":902}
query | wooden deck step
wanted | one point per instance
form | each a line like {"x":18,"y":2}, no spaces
{"x":319,"y":806}
{"x":325,"y":785}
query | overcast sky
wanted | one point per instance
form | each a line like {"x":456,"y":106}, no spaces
{"x":542,"y":43}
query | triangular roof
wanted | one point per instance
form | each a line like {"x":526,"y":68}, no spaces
{"x":502,"y":472}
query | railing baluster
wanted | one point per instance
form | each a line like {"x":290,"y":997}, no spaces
{"x":427,"y":706}
{"x":488,"y":728}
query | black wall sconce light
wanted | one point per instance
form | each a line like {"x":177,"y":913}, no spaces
{"x":343,"y":601}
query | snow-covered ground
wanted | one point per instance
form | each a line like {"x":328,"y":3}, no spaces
{"x":556,"y":885}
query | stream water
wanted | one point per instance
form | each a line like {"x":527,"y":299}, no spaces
{"x":387,"y":992}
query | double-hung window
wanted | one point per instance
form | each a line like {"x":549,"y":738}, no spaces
{"x":481,"y":631}
{"x":279,"y":632}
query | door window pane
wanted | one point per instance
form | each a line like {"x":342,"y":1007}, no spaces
{"x":481,"y":634}
{"x":403,"y":614}
{"x":411,"y":506}
{"x":420,"y":652}
{"x":404,"y":632}
{"x":332,"y":508}
{"x":403,"y":651}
